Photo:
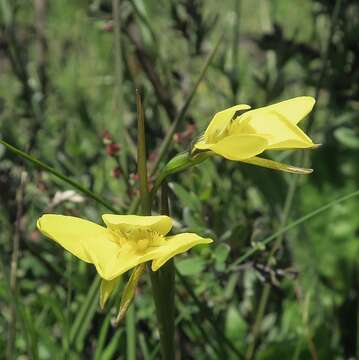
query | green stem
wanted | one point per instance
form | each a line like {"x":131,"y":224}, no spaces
{"x":167,"y":273}
{"x":179,"y":163}
{"x":166,"y":276}
{"x":163,"y":286}
{"x":141,"y":158}
{"x":131,"y":334}
{"x":162,"y":280}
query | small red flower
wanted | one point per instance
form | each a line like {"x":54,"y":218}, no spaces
{"x":112,"y":149}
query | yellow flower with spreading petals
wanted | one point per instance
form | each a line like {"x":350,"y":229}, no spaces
{"x":242,"y":136}
{"x":125,"y":242}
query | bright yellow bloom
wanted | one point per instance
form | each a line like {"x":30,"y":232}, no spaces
{"x":127,"y":241}
{"x":242,"y":137}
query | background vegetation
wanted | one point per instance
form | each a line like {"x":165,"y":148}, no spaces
{"x":68,"y":70}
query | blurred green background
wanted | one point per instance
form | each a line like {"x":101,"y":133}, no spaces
{"x":68,"y":73}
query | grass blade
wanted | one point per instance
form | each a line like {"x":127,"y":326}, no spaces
{"x":293,"y":225}
{"x":56,"y":173}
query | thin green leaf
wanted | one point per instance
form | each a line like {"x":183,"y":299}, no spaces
{"x":56,"y":173}
{"x":84,"y":311}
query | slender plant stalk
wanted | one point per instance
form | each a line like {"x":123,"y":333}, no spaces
{"x":145,"y":210}
{"x":141,"y":158}
{"x":160,"y":280}
{"x":163,"y":285}
{"x":131,"y":333}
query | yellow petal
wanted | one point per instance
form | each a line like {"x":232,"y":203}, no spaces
{"x":84,"y":239}
{"x":221,"y":120}
{"x":161,"y":224}
{"x":106,"y":289}
{"x":293,"y":110}
{"x":127,"y":260}
{"x":279,"y":131}
{"x":177,"y":244}
{"x":239,"y":147}
{"x":277,"y":166}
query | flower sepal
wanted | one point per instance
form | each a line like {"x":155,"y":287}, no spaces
{"x":129,"y":292}
{"x":270,"y":164}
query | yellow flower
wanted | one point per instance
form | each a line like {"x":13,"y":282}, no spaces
{"x":242,"y":137}
{"x":127,"y":241}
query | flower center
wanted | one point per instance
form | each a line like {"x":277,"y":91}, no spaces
{"x":142,"y":244}
{"x":135,"y":239}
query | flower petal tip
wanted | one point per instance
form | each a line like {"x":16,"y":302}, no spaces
{"x":297,"y":170}
{"x":311,"y":98}
{"x":316,"y":146}
{"x":40,"y":222}
{"x":154,"y":266}
{"x":207,"y":241}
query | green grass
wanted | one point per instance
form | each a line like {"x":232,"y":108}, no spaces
{"x":312,"y":307}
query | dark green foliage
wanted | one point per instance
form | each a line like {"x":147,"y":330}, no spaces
{"x":67,"y":99}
